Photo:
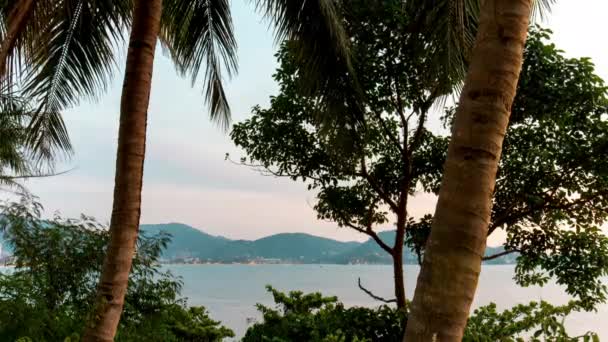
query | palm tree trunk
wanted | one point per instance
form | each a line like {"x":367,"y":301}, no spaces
{"x":452,"y":262}
{"x":124,"y":224}
{"x":15,"y":21}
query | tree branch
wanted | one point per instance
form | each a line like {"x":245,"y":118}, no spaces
{"x":266,"y":171}
{"x":498,"y":255}
{"x":390,"y":134}
{"x":368,"y":231}
{"x":426,"y":105}
{"x":369,"y":293}
{"x":377,"y":187}
{"x":404,"y":121}
{"x":510,"y":217}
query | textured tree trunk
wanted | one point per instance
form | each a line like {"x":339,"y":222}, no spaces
{"x":16,"y":20}
{"x":452,"y":262}
{"x":124,"y":224}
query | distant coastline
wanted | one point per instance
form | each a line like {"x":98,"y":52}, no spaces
{"x":193,"y":246}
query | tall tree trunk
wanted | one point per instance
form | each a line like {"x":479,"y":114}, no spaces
{"x":452,"y":262}
{"x":398,"y":256}
{"x":16,"y":21}
{"x":398,"y":276}
{"x":124,"y":224}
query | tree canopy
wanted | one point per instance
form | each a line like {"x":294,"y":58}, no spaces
{"x":361,"y":172}
{"x":551,"y":191}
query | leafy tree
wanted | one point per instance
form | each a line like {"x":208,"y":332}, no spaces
{"x":364,"y":174}
{"x":52,"y":287}
{"x":313,"y":317}
{"x":359,"y":173}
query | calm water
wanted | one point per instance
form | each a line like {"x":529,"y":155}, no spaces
{"x":230,"y":292}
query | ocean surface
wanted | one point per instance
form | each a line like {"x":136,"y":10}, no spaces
{"x":230,"y":292}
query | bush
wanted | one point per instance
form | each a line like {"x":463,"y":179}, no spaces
{"x":312,"y":317}
{"x":51,"y":290}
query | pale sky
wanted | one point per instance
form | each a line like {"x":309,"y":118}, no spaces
{"x":186,"y":177}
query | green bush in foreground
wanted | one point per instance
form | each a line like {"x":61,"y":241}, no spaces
{"x":312,"y":317}
{"x":51,"y":290}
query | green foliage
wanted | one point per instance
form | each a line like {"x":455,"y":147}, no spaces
{"x":361,"y":173}
{"x":576,"y":259}
{"x":551,"y":192}
{"x":52,"y":287}
{"x":313,"y":317}
{"x":532,"y":322}
{"x":552,"y":186}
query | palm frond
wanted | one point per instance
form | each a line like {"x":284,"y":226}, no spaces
{"x":68,"y":57}
{"x":452,"y":24}
{"x":197,"y":33}
{"x":16,"y":156}
{"x":450,"y":27}
{"x":14,"y":17}
{"x":8,"y":184}
{"x":316,"y":32}
{"x":542,"y":8}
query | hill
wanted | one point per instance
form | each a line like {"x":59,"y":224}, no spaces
{"x":186,"y":241}
{"x":190,"y":243}
{"x":370,"y":253}
{"x":289,"y":247}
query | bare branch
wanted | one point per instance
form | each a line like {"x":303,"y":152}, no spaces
{"x":369,"y":293}
{"x":268,"y":172}
{"x":498,"y":255}
{"x":370,"y":232}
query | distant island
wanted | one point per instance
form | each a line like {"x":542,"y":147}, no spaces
{"x":192,"y":246}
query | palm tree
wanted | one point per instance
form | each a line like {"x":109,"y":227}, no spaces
{"x":450,"y":270}
{"x":65,"y":50}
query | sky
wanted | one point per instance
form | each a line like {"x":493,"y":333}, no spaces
{"x":187,"y":178}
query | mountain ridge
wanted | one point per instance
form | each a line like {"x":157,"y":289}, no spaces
{"x":190,"y":244}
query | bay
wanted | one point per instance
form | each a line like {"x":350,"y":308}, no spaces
{"x":230,"y":292}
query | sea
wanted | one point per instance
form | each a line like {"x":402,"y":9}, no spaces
{"x":230,"y":292}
